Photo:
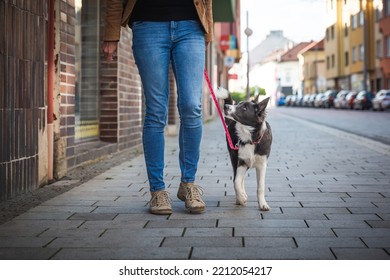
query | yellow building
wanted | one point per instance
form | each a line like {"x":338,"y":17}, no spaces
{"x":312,"y":64}
{"x":351,"y":40}
{"x":333,"y":44}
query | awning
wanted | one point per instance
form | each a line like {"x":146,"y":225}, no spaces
{"x":224,"y":10}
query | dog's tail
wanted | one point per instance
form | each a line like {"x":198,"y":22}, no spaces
{"x":223,"y":93}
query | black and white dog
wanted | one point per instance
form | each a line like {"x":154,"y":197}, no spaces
{"x":252,"y":135}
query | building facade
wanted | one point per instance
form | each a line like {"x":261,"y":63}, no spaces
{"x":355,"y":41}
{"x":312,"y":65}
{"x":384,"y":45}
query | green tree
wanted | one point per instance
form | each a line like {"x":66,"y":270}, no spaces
{"x":241,"y":96}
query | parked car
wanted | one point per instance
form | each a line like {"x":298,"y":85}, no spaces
{"x":299,"y":101}
{"x":291,"y":100}
{"x":288,"y":100}
{"x":339,"y":101}
{"x":381,"y":101}
{"x":311,"y":99}
{"x":282,"y":101}
{"x":305,"y":102}
{"x":363,"y":100}
{"x":328,"y":98}
{"x":318,"y":101}
{"x":349,"y":100}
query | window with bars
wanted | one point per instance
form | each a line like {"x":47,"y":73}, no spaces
{"x":388,"y":46}
{"x":361,"y":52}
{"x":379,"y":49}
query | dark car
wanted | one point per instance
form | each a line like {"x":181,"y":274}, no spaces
{"x":328,"y":99}
{"x":363,"y":100}
{"x":349,"y":100}
{"x":381,"y":100}
{"x":339,"y":101}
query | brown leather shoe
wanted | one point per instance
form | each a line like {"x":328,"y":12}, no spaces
{"x":160,"y":203}
{"x":192,"y":196}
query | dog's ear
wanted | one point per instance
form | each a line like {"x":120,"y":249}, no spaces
{"x":262,"y":105}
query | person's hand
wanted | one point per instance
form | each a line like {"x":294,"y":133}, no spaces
{"x":109,"y":49}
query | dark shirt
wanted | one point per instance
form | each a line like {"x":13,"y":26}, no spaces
{"x":164,"y":10}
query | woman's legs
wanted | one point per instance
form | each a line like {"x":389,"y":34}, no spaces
{"x":152,"y":53}
{"x":188,"y":60}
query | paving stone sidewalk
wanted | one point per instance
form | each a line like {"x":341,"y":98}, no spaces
{"x":330,"y":199}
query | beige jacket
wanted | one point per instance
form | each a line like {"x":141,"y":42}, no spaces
{"x":117,"y":16}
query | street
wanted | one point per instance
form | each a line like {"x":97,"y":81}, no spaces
{"x":328,"y":190}
{"x":372,"y":124}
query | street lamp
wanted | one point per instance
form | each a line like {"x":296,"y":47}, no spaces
{"x":248,"y":32}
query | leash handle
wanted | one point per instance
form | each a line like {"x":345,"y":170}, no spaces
{"x":229,"y":139}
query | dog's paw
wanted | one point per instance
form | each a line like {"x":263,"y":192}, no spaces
{"x":264,"y":207}
{"x":242,"y":203}
{"x":241,"y":200}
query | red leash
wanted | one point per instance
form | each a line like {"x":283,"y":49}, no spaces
{"x":229,"y":139}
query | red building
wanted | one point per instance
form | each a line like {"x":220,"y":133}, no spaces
{"x":384,"y":27}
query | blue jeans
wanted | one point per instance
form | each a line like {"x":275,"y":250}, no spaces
{"x":155,"y":46}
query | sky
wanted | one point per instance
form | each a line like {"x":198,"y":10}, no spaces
{"x":300,"y":20}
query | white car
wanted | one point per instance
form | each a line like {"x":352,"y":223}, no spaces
{"x":339,"y":101}
{"x":381,"y":100}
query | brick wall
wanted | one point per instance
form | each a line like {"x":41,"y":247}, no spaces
{"x":22,"y":92}
{"x":119,"y":92}
{"x":129,"y":95}
{"x":121,"y":96}
{"x":64,"y":136}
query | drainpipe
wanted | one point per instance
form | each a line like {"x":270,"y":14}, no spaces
{"x":365,"y":58}
{"x":50,"y":89}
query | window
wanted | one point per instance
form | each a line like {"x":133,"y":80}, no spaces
{"x":87,"y":42}
{"x":327,"y":34}
{"x":327,"y":62}
{"x":332,"y":32}
{"x":346,"y":58}
{"x":388,"y":45}
{"x":333,"y":60}
{"x":387,"y":3}
{"x":346,"y":30}
{"x":354,"y":21}
{"x":361,"y":52}
{"x":379,"y":49}
{"x":361,"y":18}
{"x":354,"y":55}
{"x":288,"y":77}
{"x":378,"y":13}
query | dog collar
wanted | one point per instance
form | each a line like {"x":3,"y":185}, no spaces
{"x":252,"y":142}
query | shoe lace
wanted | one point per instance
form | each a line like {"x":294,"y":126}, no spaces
{"x":194,"y":193}
{"x":161,"y":198}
